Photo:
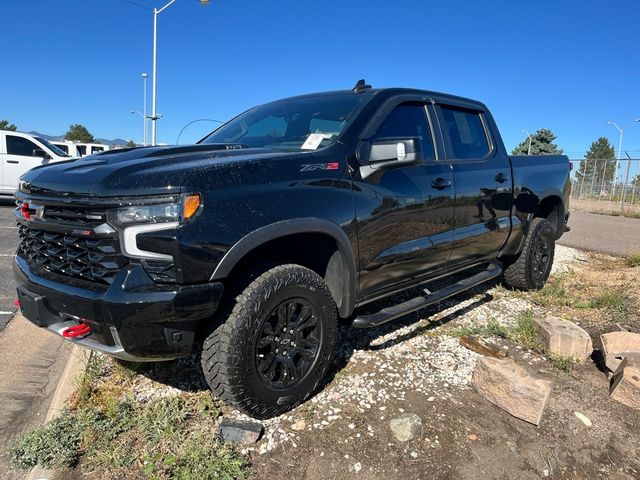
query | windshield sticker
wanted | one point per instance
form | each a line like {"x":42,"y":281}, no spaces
{"x":313,"y":141}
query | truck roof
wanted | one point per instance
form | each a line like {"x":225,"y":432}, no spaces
{"x":392,"y":91}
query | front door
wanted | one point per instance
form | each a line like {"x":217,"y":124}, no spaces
{"x":404,"y":213}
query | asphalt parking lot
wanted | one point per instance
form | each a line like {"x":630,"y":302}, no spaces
{"x":8,"y":244}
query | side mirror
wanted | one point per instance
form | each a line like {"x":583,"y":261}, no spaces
{"x":390,"y":152}
{"x":38,"y":152}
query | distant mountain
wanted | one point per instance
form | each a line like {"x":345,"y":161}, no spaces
{"x":59,"y":138}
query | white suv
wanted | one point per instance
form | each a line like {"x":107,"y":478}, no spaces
{"x":20,"y":152}
{"x":80,"y":149}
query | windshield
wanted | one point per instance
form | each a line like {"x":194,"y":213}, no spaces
{"x":58,"y":151}
{"x":293,"y":124}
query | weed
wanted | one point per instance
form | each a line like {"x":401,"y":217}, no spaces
{"x":55,"y":444}
{"x":166,"y":438}
{"x":614,"y":300}
{"x":492,"y":328}
{"x":204,"y":457}
{"x":554,"y":292}
{"x":617,"y":213}
{"x":340,"y":373}
{"x":566,"y":364}
{"x":85,"y":384}
{"x":633,"y":259}
{"x":526,"y":332}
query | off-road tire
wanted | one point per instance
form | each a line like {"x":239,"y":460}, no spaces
{"x":529,"y":271}
{"x":230,"y":353}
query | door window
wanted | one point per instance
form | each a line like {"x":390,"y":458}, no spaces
{"x":20,"y":146}
{"x":408,"y":120}
{"x":465,"y":132}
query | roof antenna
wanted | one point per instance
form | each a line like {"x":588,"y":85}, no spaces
{"x":360,"y":85}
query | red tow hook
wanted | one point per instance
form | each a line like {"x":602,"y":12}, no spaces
{"x":76,"y":331}
{"x":16,"y":302}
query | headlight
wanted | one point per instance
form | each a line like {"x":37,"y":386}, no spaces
{"x":164,"y":212}
{"x":148,"y":214}
{"x":139,"y":219}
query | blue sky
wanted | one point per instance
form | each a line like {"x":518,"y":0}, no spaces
{"x":567,"y":65}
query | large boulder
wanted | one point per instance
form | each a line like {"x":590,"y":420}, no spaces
{"x":565,"y":338}
{"x":617,"y":345}
{"x":512,"y":388}
{"x":625,"y":385}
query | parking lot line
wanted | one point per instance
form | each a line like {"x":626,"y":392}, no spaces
{"x":10,"y":228}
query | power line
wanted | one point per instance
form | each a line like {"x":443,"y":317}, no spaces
{"x":139,"y":5}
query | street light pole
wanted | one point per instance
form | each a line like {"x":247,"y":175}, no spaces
{"x":154,"y":85}
{"x":528,"y":135}
{"x":144,"y":79}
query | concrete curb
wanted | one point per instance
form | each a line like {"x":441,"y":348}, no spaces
{"x":76,"y":364}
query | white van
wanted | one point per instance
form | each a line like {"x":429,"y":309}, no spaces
{"x":80,"y":149}
{"x":20,"y":152}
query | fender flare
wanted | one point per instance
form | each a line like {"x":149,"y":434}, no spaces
{"x":285,"y":228}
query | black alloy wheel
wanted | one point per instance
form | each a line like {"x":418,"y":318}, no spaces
{"x":288,"y":344}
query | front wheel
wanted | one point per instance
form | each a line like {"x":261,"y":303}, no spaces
{"x":532,"y":267}
{"x":275,"y":347}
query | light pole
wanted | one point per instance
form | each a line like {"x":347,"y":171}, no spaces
{"x":528,"y":135}
{"x":615,"y":175}
{"x":154,"y":116}
{"x":144,"y":88}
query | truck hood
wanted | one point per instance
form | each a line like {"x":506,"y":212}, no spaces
{"x":136,"y":171}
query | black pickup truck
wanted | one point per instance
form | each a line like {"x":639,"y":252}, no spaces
{"x":251,"y":244}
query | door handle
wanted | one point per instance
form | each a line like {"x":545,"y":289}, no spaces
{"x":13,"y":161}
{"x":440,"y":183}
{"x":501,"y":178}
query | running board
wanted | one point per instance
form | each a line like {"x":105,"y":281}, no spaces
{"x":493,"y":270}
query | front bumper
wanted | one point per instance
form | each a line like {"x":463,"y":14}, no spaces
{"x":133,"y":319}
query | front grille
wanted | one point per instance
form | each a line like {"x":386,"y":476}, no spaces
{"x":88,"y":258}
{"x":81,"y":216}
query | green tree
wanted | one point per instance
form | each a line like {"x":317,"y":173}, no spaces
{"x":79,"y":133}
{"x":5,"y":125}
{"x":541,"y":144}
{"x":131,"y":144}
{"x":599,"y":163}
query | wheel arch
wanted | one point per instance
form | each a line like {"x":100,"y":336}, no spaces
{"x":552,"y":208}
{"x":339,"y":271}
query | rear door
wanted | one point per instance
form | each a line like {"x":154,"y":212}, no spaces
{"x":22,"y":154}
{"x":480,"y":173}
{"x":404,"y":213}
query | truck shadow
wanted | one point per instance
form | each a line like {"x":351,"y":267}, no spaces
{"x":186,"y":374}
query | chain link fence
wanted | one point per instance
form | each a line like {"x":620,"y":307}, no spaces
{"x":606,"y":186}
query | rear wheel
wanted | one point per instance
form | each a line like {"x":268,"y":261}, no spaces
{"x":275,"y":347}
{"x":531,"y":269}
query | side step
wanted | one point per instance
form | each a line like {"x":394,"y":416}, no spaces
{"x":493,"y":270}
